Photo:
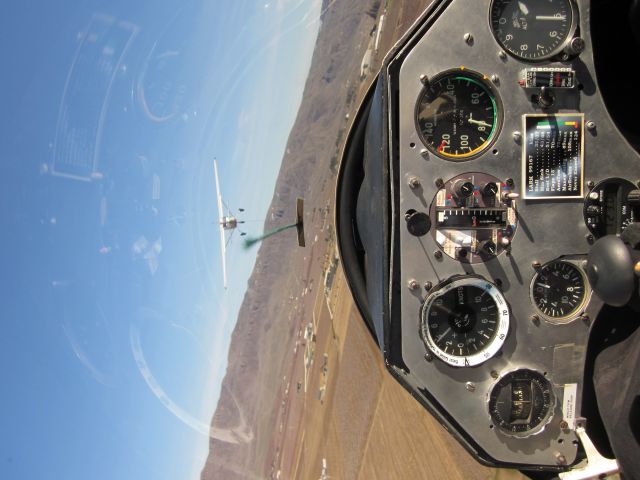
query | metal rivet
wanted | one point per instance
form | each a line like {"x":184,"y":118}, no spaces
{"x":535,"y":264}
{"x":591,"y":125}
{"x":468,"y":38}
{"x":516,"y":136}
{"x":428,"y":286}
{"x":591,"y":184}
{"x":470,"y":386}
{"x":535,"y":319}
{"x":413,"y":284}
{"x":424,"y":79}
{"x":502,"y":55}
{"x":428,"y":357}
{"x":437,"y":254}
{"x":424,"y":152}
{"x":495,"y":79}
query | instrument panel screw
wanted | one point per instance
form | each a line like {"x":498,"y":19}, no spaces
{"x":564,"y":425}
{"x":437,"y":254}
{"x":424,"y":79}
{"x":591,"y":184}
{"x":494,"y":374}
{"x":468,"y":38}
{"x":535,"y":264}
{"x":495,"y":79}
{"x":424,"y":152}
{"x":428,"y":286}
{"x":589,"y":238}
{"x":439,"y":183}
{"x":591,"y":125}
{"x":516,"y":136}
{"x":510,"y":183}
{"x":470,"y":386}
{"x":502,"y":55}
{"x":413,"y":284}
{"x":585,"y":318}
{"x":577,"y":45}
{"x":535,"y":319}
{"x":428,"y":357}
{"x":414,"y":182}
{"x":560,"y":459}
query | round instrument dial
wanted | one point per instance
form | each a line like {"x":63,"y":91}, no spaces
{"x":458,"y":114}
{"x":521,"y":403}
{"x":533,"y":30}
{"x":559,"y":291}
{"x":465,"y":321}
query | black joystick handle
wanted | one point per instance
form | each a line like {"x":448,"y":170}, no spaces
{"x":610,"y":270}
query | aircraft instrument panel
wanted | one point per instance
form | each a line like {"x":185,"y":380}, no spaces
{"x":500,"y":187}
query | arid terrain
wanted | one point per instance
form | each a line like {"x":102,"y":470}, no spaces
{"x":305,"y":382}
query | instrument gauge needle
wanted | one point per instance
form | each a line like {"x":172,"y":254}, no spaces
{"x":550,"y":17}
{"x":478,"y":122}
{"x":543,"y":285}
{"x":443,"y":335}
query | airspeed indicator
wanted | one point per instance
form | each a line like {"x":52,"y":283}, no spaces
{"x":458,"y":114}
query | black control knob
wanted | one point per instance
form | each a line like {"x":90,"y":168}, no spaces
{"x":462,"y":189}
{"x":490,"y":189}
{"x":418,"y":223}
{"x":633,"y":197}
{"x":546,"y":98}
{"x":487,"y":247}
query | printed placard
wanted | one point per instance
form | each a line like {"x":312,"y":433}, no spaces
{"x":553,"y":156}
{"x":569,"y":404}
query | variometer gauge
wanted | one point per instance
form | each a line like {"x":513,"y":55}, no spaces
{"x":533,"y":30}
{"x":465,"y":321}
{"x":458,"y":114}
{"x":559,"y":291}
{"x":521,"y":403}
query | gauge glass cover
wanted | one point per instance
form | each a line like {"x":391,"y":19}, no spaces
{"x":559,"y":291}
{"x":521,"y":403}
{"x":532,"y":30}
{"x":465,"y":322}
{"x":458,"y":115}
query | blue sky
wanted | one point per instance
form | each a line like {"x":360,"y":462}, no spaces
{"x":116,"y":325}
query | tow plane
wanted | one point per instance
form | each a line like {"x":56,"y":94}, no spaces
{"x":227,"y":222}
